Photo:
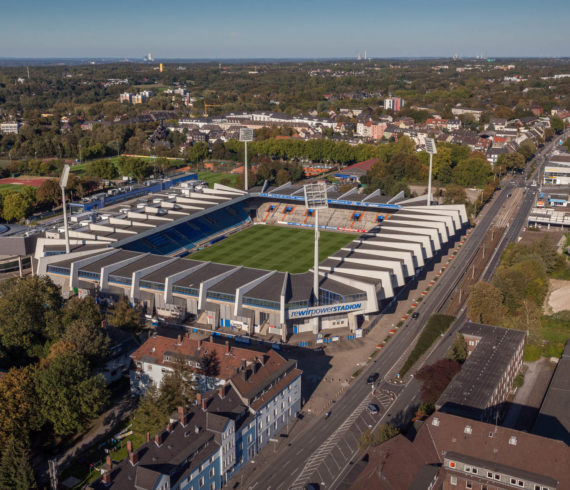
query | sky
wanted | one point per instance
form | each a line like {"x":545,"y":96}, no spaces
{"x":282,"y":29}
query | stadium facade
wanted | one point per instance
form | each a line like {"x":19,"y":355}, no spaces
{"x":138,"y":249}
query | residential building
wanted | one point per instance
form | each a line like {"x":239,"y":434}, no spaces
{"x":393,"y":103}
{"x":553,"y":419}
{"x":207,"y":445}
{"x":157,"y":355}
{"x":486,"y":378}
{"x":464,"y":111}
{"x":451,"y":452}
{"x":125,"y":97}
{"x":11,"y":127}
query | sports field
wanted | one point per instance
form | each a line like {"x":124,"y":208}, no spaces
{"x":273,"y":248}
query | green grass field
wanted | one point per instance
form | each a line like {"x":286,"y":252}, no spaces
{"x":213,"y":178}
{"x":11,"y":187}
{"x":273,"y":248}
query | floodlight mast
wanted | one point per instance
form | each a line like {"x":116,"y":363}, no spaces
{"x":432,"y":150}
{"x":245,"y":135}
{"x":315,"y":199}
{"x":63,"y":184}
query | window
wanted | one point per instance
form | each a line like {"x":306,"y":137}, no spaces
{"x":521,"y":483}
{"x":250,"y":438}
{"x":497,"y":476}
{"x":453,"y":480}
{"x":452,"y":464}
{"x":212,"y":472}
{"x":513,"y":481}
{"x":467,"y":468}
{"x":201,"y":482}
{"x":213,"y":486}
{"x":468,"y":484}
{"x":489,"y":474}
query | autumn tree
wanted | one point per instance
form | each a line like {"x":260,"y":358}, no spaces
{"x":485,"y":304}
{"x":19,"y":410}
{"x":88,"y":339}
{"x":151,"y":415}
{"x":49,"y":193}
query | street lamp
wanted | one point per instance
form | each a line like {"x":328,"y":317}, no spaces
{"x":63,"y":184}
{"x":432,"y":150}
{"x":245,"y":135}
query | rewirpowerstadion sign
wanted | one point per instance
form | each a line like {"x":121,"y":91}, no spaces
{"x":324,"y":310}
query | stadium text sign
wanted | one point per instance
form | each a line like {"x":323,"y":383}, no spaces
{"x":324,"y":310}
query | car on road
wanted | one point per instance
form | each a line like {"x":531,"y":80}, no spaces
{"x":373,"y":408}
{"x":415,"y":314}
{"x":372,"y":378}
{"x":327,"y":414}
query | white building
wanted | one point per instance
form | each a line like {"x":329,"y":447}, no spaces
{"x":12,"y":127}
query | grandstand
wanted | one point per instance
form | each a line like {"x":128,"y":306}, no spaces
{"x":136,"y":248}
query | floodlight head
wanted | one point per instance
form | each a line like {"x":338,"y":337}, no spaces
{"x":246,"y":134}
{"x":316,"y":195}
{"x":430,"y":146}
{"x":64,"y":177}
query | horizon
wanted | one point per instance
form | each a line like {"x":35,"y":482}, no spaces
{"x":262,"y":30}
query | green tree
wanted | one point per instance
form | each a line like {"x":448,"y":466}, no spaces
{"x":15,"y":207}
{"x":472,"y":172}
{"x":16,"y":472}
{"x":383,"y":433}
{"x":88,"y":339}
{"x":557,"y":124}
{"x":31,"y":314}
{"x":102,"y":169}
{"x":151,"y":415}
{"x":454,"y":194}
{"x":527,"y":148}
{"x":124,"y":315}
{"x":81,"y":309}
{"x":512,"y":161}
{"x":283,"y":176}
{"x":177,"y":388}
{"x":69,"y":396}
{"x":485,"y":304}
{"x":458,"y":349}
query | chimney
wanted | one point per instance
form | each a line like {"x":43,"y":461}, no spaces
{"x":244,"y":374}
{"x":181,"y":415}
{"x":158,"y":439}
{"x":109,"y":462}
{"x":134,"y":458}
{"x":129,"y":446}
{"x":199,"y":398}
{"x":170,"y":427}
{"x":222,"y":391}
{"x":211,"y":338}
{"x":227,"y":346}
{"x":204,"y":403}
{"x":148,"y":437}
{"x":106,"y":477}
{"x":179,"y":340}
{"x":243,"y":364}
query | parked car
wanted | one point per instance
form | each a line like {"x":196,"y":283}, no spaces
{"x":415,"y":314}
{"x":373,"y":409}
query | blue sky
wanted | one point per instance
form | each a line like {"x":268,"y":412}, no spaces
{"x":292,"y":28}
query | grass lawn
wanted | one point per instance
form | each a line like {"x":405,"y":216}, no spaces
{"x":213,"y":178}
{"x":11,"y":187}
{"x":273,"y":248}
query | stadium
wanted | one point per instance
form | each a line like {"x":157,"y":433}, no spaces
{"x":243,"y":261}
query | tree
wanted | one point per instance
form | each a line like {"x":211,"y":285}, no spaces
{"x":209,"y":364}
{"x":527,"y":148}
{"x":458,"y":349}
{"x":124,"y":315}
{"x":454,"y":194}
{"x":49,"y":193}
{"x":383,"y":433}
{"x":102,"y":169}
{"x":557,"y":124}
{"x":177,"y":387}
{"x":81,"y":309}
{"x":151,"y":414}
{"x":283,"y":176}
{"x":19,"y":412}
{"x":88,"y":339}
{"x":435,"y":378}
{"x":485,"y":304}
{"x":16,"y":472}
{"x":69,"y":396}
{"x":424,"y":411}
{"x":15,"y":207}
{"x":31,"y":314}
{"x":529,"y":319}
{"x":472,"y":172}
{"x":512,"y":161}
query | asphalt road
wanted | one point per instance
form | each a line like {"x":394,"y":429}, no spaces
{"x":323,"y":452}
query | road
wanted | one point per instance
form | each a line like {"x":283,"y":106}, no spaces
{"x":322,"y":453}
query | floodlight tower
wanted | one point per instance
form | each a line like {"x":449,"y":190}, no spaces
{"x":245,"y":135}
{"x":315,"y":199}
{"x":63,"y":184}
{"x":432,"y":150}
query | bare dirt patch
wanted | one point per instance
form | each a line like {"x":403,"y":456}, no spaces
{"x":559,"y":297}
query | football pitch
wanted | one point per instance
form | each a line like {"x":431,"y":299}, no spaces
{"x":273,"y":248}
